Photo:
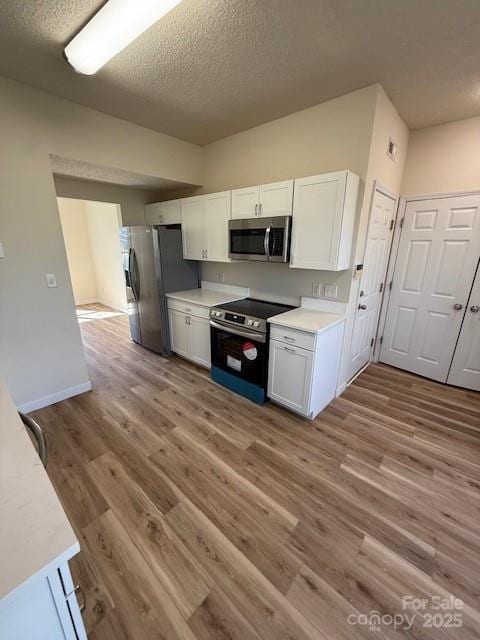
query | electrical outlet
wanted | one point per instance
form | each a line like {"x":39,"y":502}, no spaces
{"x":51,"y":280}
{"x":316,"y":289}
{"x":331,"y":291}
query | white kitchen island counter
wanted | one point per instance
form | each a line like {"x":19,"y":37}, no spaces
{"x":36,"y":541}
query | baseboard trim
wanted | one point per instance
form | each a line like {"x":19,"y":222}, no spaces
{"x":79,"y":303}
{"x":69,"y":392}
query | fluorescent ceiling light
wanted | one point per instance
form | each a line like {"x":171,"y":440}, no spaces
{"x":113,"y":28}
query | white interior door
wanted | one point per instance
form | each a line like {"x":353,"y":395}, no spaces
{"x":382,"y":217}
{"x":465,"y":369}
{"x":436,"y":262}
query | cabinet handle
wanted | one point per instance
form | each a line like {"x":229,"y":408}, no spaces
{"x":474,"y":308}
{"x":362,"y":306}
{"x":79,"y":591}
{"x":289,"y":338}
{"x":260,"y":209}
{"x":457,"y":306}
{"x":256,"y":209}
{"x":206,"y":253}
{"x":188,"y":310}
{"x":289,"y":350}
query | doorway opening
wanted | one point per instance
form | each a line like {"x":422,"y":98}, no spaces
{"x":91,"y":232}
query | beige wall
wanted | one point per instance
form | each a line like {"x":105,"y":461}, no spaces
{"x":41,"y":354}
{"x":73,"y":219}
{"x":104,"y":221}
{"x":331,"y":136}
{"x":444,"y":158}
{"x":132,"y":201}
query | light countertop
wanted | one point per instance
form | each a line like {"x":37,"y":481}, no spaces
{"x":205,"y":297}
{"x":307,"y":320}
{"x":35,"y":533}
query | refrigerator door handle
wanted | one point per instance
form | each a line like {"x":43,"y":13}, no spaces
{"x":133,"y":274}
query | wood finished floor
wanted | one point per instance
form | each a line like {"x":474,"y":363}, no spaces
{"x":203,"y":516}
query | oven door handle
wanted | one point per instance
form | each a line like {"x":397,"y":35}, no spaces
{"x":259,"y":337}
{"x":266,"y":242}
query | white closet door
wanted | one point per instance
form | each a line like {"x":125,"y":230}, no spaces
{"x":435,"y":266}
{"x":465,"y":369}
{"x":372,"y":284}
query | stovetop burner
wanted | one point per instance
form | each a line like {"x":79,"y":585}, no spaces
{"x":256,"y":308}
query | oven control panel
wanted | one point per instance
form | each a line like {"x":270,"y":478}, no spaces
{"x":257,"y":324}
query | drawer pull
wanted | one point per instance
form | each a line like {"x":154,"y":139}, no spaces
{"x":79,"y":591}
{"x":188,"y":309}
{"x":289,"y":350}
{"x":289,"y":338}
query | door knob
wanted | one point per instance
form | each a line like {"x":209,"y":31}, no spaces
{"x":474,"y":308}
{"x":361,"y":294}
{"x":458,"y":307}
{"x":362,"y":306}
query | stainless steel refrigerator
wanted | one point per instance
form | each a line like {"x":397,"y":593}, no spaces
{"x":153,"y":265}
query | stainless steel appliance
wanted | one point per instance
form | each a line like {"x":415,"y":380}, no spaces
{"x":265,"y":239}
{"x":153,"y":265}
{"x":239,"y":338}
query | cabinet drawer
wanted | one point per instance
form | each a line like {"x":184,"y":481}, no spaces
{"x":293,"y":337}
{"x":189,"y":309}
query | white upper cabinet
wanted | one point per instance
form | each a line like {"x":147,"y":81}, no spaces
{"x":324,"y":209}
{"x":163,"y":212}
{"x":274,"y":199}
{"x":205,"y":227}
{"x":245,"y":202}
{"x":218,"y":213}
{"x":194,"y":235}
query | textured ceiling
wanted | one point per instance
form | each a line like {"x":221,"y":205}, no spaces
{"x":88,"y":171}
{"x":211,"y":68}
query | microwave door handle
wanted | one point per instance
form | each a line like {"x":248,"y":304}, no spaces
{"x":266,"y":242}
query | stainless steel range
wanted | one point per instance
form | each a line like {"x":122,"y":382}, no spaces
{"x":239,"y":337}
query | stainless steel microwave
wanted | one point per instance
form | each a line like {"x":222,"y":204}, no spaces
{"x":266,"y":239}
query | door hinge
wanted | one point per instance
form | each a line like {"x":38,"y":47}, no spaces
{"x":381,"y":287}
{"x":401,"y":222}
{"x":390,"y":285}
{"x":392,"y":224}
{"x":372,"y":342}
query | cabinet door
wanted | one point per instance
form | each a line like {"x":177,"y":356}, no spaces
{"x":218,"y":213}
{"x":163,"y":212}
{"x":324,"y":209}
{"x":194,"y":235}
{"x":179,"y":333}
{"x":245,"y":202}
{"x":171,"y":212}
{"x":290,"y":376}
{"x":153,"y":213}
{"x":465,"y":369}
{"x":199,"y":340}
{"x":276,"y":199}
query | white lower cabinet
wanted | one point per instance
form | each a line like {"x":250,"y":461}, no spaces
{"x":190,"y":336}
{"x":43,"y":609}
{"x":304,"y":379}
{"x":291,"y":371}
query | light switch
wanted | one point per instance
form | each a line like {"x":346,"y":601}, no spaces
{"x":51,"y":280}
{"x":331,"y":291}
{"x":2,"y":252}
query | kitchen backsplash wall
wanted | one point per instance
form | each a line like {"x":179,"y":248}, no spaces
{"x":275,"y":282}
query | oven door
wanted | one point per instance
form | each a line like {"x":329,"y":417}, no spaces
{"x":240,"y":352}
{"x":264,"y":239}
